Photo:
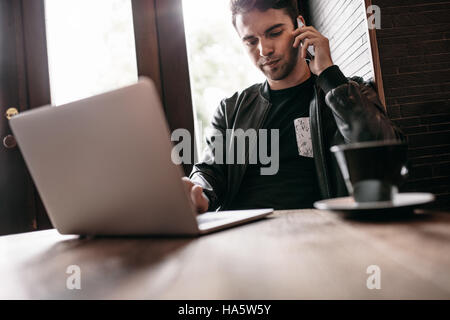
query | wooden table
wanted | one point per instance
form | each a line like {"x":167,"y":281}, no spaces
{"x":305,"y":254}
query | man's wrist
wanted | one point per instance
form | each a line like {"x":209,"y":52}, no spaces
{"x":324,"y":68}
{"x":331,"y":78}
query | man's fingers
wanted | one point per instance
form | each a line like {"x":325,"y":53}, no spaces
{"x":303,"y":36}
{"x":301,"y":30}
{"x":199,"y":199}
{"x":296,"y":42}
{"x":187,"y":181}
{"x":188,"y":184}
{"x":309,"y":35}
{"x":306,"y":44}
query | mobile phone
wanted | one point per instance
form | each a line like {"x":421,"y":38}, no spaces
{"x":310,"y":50}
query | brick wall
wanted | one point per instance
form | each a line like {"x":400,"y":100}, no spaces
{"x":414,"y":43}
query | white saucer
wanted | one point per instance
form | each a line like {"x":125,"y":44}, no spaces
{"x":400,"y":200}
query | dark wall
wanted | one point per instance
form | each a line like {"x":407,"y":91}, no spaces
{"x":414,"y":43}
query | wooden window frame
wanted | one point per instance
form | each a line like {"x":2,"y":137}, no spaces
{"x":161,"y":55}
{"x":30,"y":88}
{"x":376,"y":60}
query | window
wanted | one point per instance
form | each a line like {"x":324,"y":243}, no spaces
{"x":344,"y":22}
{"x":91,"y":47}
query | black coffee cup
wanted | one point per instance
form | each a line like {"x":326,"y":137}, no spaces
{"x":374,"y":170}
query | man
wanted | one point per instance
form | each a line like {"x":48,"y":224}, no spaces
{"x":312,"y":101}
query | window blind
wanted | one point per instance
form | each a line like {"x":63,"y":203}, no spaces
{"x":344,"y":23}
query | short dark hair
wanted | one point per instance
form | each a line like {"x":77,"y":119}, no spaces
{"x":244,"y":6}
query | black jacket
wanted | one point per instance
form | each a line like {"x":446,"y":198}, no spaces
{"x":341,"y":111}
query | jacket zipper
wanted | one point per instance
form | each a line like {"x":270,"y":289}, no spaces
{"x":248,"y":154}
{"x":316,"y":128}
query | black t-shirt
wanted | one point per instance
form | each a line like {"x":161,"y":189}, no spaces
{"x":295,"y":185}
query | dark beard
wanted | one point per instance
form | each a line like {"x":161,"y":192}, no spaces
{"x":284,"y":70}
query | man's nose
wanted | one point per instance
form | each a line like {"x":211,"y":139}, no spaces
{"x":265,"y":48}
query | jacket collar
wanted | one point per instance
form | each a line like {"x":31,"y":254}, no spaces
{"x":264,"y":90}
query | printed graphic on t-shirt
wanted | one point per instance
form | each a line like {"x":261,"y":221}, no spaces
{"x":303,"y":134}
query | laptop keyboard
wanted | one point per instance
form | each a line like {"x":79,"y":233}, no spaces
{"x":214,"y":217}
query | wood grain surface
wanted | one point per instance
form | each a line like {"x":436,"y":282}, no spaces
{"x":304,"y":254}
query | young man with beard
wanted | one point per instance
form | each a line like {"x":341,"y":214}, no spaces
{"x":311,"y":103}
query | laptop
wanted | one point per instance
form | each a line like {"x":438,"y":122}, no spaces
{"x":103,"y":166}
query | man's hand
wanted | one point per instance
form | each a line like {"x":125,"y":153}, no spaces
{"x":322,"y":55}
{"x":198,"y":198}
